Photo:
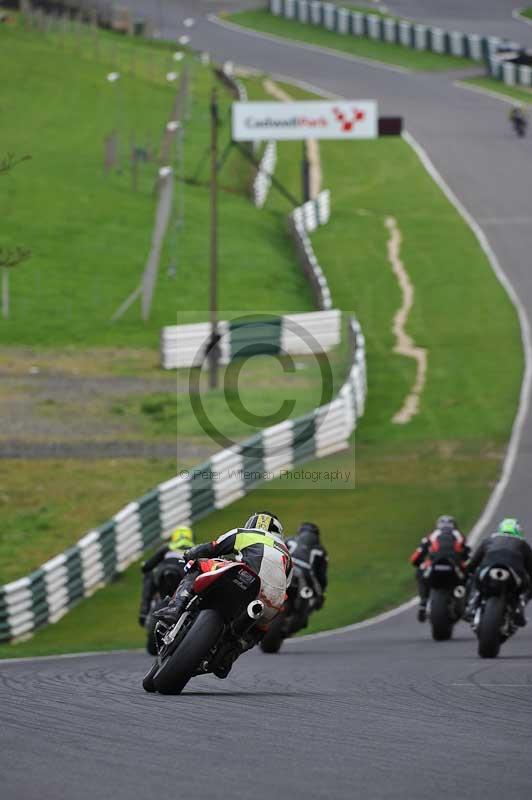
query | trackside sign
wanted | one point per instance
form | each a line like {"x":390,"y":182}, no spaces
{"x":346,"y":119}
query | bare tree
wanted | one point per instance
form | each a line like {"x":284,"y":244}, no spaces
{"x":10,"y":257}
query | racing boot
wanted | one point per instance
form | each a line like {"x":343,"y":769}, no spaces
{"x":422,"y":611}
{"x":471,"y":607}
{"x":171,"y":613}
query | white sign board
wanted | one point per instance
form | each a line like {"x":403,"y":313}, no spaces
{"x":336,"y":119}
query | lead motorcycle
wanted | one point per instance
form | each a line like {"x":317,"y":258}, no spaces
{"x":301,"y":600}
{"x":206,"y":638}
{"x":446,"y":602}
{"x":493,"y":622}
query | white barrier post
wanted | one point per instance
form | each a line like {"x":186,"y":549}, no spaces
{"x":315,"y":12}
{"x":276,"y":7}
{"x":290,"y":9}
{"x":302,"y":11}
{"x":357,"y":23}
{"x":524,"y":74}
{"x":329,"y":13}
{"x":390,"y":30}
{"x":437,"y":40}
{"x":405,"y":29}
{"x":508,"y":73}
{"x":420,"y":37}
{"x":475,"y":50}
{"x":343,"y":21}
{"x":457,"y":43}
{"x":374,"y":26}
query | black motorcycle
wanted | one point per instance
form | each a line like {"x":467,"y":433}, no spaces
{"x":167,"y":578}
{"x":493,"y":622}
{"x":446,"y":602}
{"x":207,"y":636}
{"x":520,"y":125}
{"x":301,"y":600}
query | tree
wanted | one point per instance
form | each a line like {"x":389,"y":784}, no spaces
{"x":10,"y":256}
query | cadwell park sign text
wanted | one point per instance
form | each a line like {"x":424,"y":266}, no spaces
{"x":345,"y":119}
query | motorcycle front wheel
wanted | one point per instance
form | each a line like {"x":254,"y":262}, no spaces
{"x":273,"y":637}
{"x":176,"y":671}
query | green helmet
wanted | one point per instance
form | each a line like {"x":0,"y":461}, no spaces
{"x":511,"y":527}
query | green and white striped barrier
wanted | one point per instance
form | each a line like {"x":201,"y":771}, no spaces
{"x":50,"y":592}
{"x":388,"y":29}
{"x":184,"y":346}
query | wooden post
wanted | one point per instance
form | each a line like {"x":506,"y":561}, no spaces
{"x":213,"y":344}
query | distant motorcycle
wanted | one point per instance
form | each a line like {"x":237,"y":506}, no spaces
{"x":493,"y":622}
{"x":446,"y":602}
{"x":224,"y":607}
{"x":520,"y":124}
{"x":301,"y":600}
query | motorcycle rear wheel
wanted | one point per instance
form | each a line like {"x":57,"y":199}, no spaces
{"x":442,"y":625}
{"x":179,"y":668}
{"x":489,"y":629}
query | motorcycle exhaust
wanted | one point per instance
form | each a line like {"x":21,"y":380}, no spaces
{"x":306,"y":593}
{"x":459,"y":592}
{"x":255,"y":609}
{"x":499,"y":574}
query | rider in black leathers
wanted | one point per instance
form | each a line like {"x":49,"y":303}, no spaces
{"x":507,"y":547}
{"x":311,"y":557}
{"x":165,"y":570}
{"x":445,"y":540}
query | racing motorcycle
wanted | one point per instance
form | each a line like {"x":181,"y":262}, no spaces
{"x":168,"y":576}
{"x":493,"y":623}
{"x":446,"y":602}
{"x":207,"y":636}
{"x":300,"y":601}
{"x":520,"y":125}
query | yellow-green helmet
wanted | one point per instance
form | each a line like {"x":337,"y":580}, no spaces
{"x":182,"y":538}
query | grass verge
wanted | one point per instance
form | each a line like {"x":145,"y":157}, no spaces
{"x":498,"y":87}
{"x":53,"y":204}
{"x":357,"y":46}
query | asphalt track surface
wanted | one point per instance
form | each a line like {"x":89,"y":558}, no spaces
{"x":376,"y":712}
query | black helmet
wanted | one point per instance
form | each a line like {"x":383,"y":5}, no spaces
{"x":446,"y":522}
{"x":264,"y":521}
{"x":309,"y":534}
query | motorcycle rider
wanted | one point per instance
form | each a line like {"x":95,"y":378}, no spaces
{"x":445,"y":541}
{"x":259,"y":544}
{"x":507,"y":547}
{"x":518,"y":117}
{"x":168,"y":555}
{"x":311,"y":557}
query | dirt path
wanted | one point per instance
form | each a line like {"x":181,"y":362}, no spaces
{"x":404,"y":343}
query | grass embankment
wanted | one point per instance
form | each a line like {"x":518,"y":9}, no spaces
{"x":498,"y":87}
{"x":446,"y":460}
{"x":357,"y":46}
{"x":526,"y":12}
{"x":90,"y":234}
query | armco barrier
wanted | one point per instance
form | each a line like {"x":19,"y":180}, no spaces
{"x":50,"y":592}
{"x":293,"y":334}
{"x":263,"y":178}
{"x":388,"y":29}
{"x":302,"y":221}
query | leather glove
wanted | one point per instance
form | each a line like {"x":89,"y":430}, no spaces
{"x":142,"y":620}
